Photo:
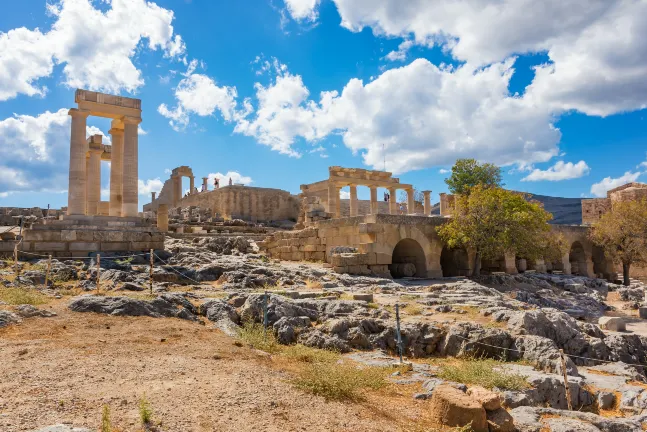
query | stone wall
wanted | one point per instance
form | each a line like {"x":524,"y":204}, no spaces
{"x":593,"y":208}
{"x":7,"y":214}
{"x":244,"y":202}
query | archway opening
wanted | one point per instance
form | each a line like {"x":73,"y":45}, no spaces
{"x":408,"y":260}
{"x":602,"y":267}
{"x":577,"y":258}
{"x":495,"y":265}
{"x":454,"y":262}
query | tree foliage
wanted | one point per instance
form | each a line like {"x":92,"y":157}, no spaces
{"x":493,"y":221}
{"x":622,"y":234}
{"x":467,"y":173}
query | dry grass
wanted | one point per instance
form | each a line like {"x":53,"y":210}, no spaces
{"x":145,"y":411}
{"x":341,"y":382}
{"x":313,"y":285}
{"x":303,"y":354}
{"x":484,"y":372}
{"x":18,"y":296}
{"x":413,"y":309}
{"x":255,"y":335}
{"x":106,"y":426}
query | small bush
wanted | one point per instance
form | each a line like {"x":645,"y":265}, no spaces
{"x":18,"y":296}
{"x":304,"y":354}
{"x":413,"y":309}
{"x":145,"y":410}
{"x":339,"y":381}
{"x":255,"y":335}
{"x":105,"y":419}
{"x":313,"y":285}
{"x":484,"y":372}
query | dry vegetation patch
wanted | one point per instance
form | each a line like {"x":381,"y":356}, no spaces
{"x":487,"y":373}
{"x":18,"y":296}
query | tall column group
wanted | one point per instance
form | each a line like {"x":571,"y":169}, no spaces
{"x":84,"y":190}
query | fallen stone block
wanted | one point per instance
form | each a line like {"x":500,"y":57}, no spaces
{"x":489,"y":399}
{"x":367,"y":297}
{"x":612,"y":323}
{"x":453,"y":408}
{"x":500,"y":420}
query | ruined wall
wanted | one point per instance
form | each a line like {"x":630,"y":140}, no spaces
{"x":247,"y":203}
{"x":593,"y":209}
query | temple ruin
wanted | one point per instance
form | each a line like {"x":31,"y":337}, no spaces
{"x":594,"y":208}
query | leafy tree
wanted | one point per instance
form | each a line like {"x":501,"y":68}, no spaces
{"x":554,"y":246}
{"x":467,"y":173}
{"x":493,"y":221}
{"x":622,"y":234}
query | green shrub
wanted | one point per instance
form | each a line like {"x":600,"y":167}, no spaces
{"x":18,"y":296}
{"x":105,"y":419}
{"x":145,"y":410}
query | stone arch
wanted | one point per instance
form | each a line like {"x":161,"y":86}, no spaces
{"x":577,"y":259}
{"x":454,"y":262}
{"x":408,"y":252}
{"x":431,"y":249}
{"x":602,"y":266}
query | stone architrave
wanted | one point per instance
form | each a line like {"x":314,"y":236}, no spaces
{"x":76,"y":200}
{"x":131,"y":164}
{"x":116,"y":168}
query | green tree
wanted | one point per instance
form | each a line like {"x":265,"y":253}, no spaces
{"x":494,"y":221}
{"x":467,"y":173}
{"x":622,"y":234}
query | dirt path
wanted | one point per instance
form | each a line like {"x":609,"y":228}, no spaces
{"x":64,"y":369}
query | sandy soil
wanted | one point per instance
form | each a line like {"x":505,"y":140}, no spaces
{"x":64,"y":369}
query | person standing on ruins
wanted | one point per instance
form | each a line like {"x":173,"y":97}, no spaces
{"x":216,"y":183}
{"x":230,"y":182}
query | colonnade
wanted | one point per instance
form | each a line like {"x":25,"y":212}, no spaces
{"x":334,"y":199}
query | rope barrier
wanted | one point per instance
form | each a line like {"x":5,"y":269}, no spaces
{"x":85,"y":257}
{"x":568,"y":355}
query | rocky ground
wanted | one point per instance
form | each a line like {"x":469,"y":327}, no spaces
{"x":82,"y":348}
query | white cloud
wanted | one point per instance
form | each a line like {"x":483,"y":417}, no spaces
{"x":344,"y":194}
{"x":168,"y":170}
{"x":559,"y":171}
{"x":597,"y":49}
{"x":401,"y":53}
{"x":199,"y":94}
{"x":235,"y":176}
{"x":444,"y":171}
{"x":105,"y":194}
{"x":600,"y":189}
{"x":147,"y":186}
{"x":93,"y":130}
{"x":421,"y":114}
{"x":35,"y":152}
{"x":95,"y":47}
{"x":302,"y":10}
{"x":141,"y":131}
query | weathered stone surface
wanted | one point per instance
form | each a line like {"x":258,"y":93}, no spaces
{"x":606,"y":400}
{"x":489,"y":399}
{"x":29,"y":311}
{"x":451,"y":407}
{"x":166,"y":305}
{"x":528,"y":419}
{"x":612,"y":323}
{"x":7,"y":318}
{"x":499,"y":420}
{"x":61,"y":428}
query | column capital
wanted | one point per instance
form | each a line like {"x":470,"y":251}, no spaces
{"x":75,"y":112}
{"x":426,"y":191}
{"x":115,"y":131}
{"x":131,"y":120}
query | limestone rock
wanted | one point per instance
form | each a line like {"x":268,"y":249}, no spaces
{"x":606,"y":400}
{"x":500,"y":420}
{"x":489,"y":399}
{"x":7,"y":318}
{"x":166,"y":305}
{"x":29,"y":311}
{"x":451,"y":407}
{"x":612,"y":324}
{"x":569,"y":425}
{"x":61,"y":428}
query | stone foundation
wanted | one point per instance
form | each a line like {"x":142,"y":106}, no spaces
{"x":81,"y":235}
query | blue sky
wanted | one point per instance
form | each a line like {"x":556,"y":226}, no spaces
{"x":560,"y":105}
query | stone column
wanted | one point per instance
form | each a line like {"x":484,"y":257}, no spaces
{"x":427,"y":195}
{"x":162,"y":217}
{"x":393,"y":201}
{"x":566,"y":263}
{"x":76,"y":191}
{"x":130,"y":203}
{"x":94,"y":181}
{"x":205,"y":186}
{"x":374,"y":202}
{"x":510,"y":263}
{"x":333,"y":200}
{"x":177,"y":190}
{"x":353,"y":200}
{"x":116,"y":169}
{"x":411,"y":204}
{"x":191,"y":184}
{"x":153,"y":194}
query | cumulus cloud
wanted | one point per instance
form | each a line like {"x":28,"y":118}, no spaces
{"x":145,"y":187}
{"x":419,"y":114}
{"x":444,"y":171}
{"x":600,"y":189}
{"x":198,"y":94}
{"x":35,"y":152}
{"x":597,"y":52}
{"x":302,"y":10}
{"x":559,"y":171}
{"x":95,"y":47}
{"x":401,"y":53}
{"x":93,"y":130}
{"x":344,"y":194}
{"x":235,"y":176}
